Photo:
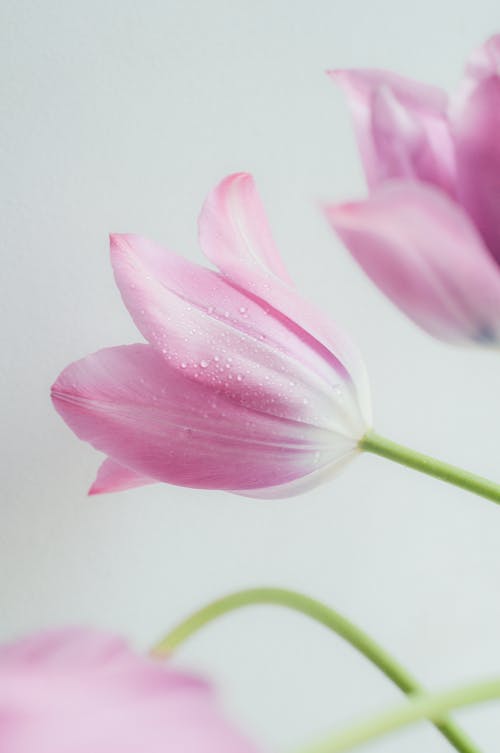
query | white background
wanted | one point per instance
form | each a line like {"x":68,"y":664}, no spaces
{"x":120,"y":116}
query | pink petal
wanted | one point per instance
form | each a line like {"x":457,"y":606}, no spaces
{"x":80,"y":691}
{"x":304,"y":483}
{"x":476,"y":129}
{"x":129,"y":403}
{"x":420,"y":248}
{"x":218,"y":334}
{"x":221,"y":231}
{"x":235,"y":213}
{"x":485,"y":61}
{"x":113,"y":477}
{"x":54,"y":649}
{"x":401,"y":126}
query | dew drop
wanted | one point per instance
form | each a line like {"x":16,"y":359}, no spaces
{"x":203,"y":364}
{"x":183,"y":365}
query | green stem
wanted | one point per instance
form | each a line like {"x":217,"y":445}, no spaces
{"x":327,"y":617}
{"x":378,"y":445}
{"x":425,"y":706}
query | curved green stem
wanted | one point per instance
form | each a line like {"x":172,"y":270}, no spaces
{"x":327,"y":617}
{"x":378,"y":445}
{"x":425,"y":706}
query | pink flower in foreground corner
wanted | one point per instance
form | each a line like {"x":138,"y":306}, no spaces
{"x":242,"y":386}
{"x":78,"y":691}
{"x":429,"y":233}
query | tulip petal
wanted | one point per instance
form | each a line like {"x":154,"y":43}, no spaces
{"x":422,"y":251}
{"x":485,"y":60}
{"x":476,"y":124}
{"x":53,"y":649}
{"x":234,"y":211}
{"x":221,"y":231}
{"x":113,"y":477}
{"x":221,"y":336}
{"x":401,"y":127}
{"x":362,"y":82}
{"x":86,"y":692}
{"x":129,"y":403}
{"x":303,"y":484}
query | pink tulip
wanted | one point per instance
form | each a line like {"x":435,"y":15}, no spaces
{"x":78,"y":691}
{"x":429,"y":233}
{"x":242,"y":386}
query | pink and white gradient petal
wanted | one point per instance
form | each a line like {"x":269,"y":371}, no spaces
{"x":423,"y":252}
{"x":81,"y":691}
{"x":485,"y":60}
{"x":314,"y":332}
{"x":401,"y":126}
{"x":305,"y":483}
{"x":234,"y":212}
{"x":220,"y":335}
{"x":113,"y":477}
{"x":476,"y":127}
{"x":128,"y":403}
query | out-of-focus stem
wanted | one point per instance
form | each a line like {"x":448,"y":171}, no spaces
{"x":425,"y":706}
{"x":328,"y":617}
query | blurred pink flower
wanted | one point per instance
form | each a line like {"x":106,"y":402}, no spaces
{"x":243,"y":386}
{"x":78,"y":691}
{"x":429,"y":233}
